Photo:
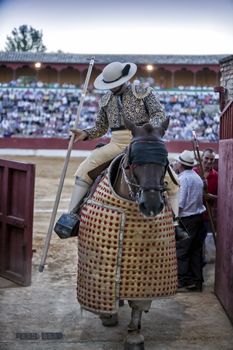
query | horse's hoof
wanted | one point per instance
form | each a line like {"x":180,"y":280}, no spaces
{"x":134,"y":341}
{"x":132,"y":327}
{"x":109,"y":320}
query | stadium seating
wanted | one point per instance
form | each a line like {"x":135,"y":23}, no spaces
{"x":50,"y":110}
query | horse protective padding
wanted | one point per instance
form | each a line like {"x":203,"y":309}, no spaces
{"x":122,"y":254}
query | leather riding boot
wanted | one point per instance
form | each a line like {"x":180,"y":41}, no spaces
{"x":79,"y":191}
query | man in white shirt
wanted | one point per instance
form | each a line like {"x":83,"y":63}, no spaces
{"x":189,"y":252}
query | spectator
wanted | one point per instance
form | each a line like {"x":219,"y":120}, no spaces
{"x":49,"y":110}
{"x":211,"y":191}
{"x":210,"y":175}
{"x":191,"y":208}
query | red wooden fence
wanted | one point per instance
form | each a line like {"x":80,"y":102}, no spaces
{"x":224,"y":246}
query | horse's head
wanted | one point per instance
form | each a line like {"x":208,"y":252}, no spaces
{"x":145,"y":166}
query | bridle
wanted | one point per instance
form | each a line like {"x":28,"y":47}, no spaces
{"x":128,"y":166}
{"x":136,"y":190}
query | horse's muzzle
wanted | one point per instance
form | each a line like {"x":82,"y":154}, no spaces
{"x":150,"y":202}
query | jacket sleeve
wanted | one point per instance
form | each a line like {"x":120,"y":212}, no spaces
{"x":154,"y":109}
{"x":183,"y":192}
{"x":101,"y":126}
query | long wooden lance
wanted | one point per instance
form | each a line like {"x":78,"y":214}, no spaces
{"x":64,"y":170}
{"x":202,"y":174}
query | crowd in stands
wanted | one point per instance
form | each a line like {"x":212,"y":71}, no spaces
{"x":39,"y":110}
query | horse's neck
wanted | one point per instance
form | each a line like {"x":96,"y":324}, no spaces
{"x":120,"y":186}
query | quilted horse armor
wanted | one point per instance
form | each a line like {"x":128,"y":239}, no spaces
{"x":121,"y":253}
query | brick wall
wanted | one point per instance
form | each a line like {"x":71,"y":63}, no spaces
{"x":226,"y":79}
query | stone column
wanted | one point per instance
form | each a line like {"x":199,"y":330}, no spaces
{"x":226,"y":79}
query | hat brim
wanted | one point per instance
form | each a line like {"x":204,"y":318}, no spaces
{"x":182,"y":161}
{"x":101,"y":85}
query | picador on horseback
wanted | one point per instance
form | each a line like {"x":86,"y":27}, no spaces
{"x":126,"y":240}
{"x":137,"y":103}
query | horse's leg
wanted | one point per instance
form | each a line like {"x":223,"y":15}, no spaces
{"x":135,"y":322}
{"x":137,"y":306}
{"x":135,"y":340}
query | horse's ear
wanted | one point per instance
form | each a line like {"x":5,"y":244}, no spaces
{"x":130,"y":125}
{"x":165,"y":123}
{"x":164,"y":126}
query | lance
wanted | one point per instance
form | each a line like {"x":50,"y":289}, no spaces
{"x":202,"y":173}
{"x":64,"y":170}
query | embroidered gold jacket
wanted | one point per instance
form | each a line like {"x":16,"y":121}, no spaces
{"x":140,"y":105}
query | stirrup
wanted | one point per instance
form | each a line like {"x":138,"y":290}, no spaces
{"x":67,"y":225}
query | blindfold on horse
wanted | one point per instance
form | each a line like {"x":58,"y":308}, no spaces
{"x":143,"y":168}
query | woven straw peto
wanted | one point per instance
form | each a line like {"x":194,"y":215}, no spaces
{"x":122,"y":254}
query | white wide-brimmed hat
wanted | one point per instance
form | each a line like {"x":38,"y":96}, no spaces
{"x":187,"y":158}
{"x":115,"y":74}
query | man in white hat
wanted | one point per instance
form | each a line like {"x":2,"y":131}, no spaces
{"x":135,"y":102}
{"x":189,"y":252}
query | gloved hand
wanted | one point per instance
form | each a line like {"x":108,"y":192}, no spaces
{"x":79,"y":135}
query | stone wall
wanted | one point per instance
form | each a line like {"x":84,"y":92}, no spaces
{"x":226,"y":79}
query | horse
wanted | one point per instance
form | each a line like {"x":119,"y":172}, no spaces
{"x":126,"y":241}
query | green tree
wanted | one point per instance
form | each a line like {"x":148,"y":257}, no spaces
{"x":25,"y":38}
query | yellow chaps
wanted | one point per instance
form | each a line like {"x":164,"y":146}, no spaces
{"x":119,"y":141}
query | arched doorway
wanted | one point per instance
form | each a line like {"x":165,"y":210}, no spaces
{"x":47,"y":75}
{"x":25,"y":72}
{"x":69,"y":75}
{"x":162,"y":78}
{"x":206,"y":77}
{"x":6,"y":74}
{"x":183,"y":77}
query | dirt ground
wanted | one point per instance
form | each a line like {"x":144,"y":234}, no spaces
{"x":47,"y":316}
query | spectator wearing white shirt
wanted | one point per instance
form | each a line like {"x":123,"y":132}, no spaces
{"x":191,"y":208}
